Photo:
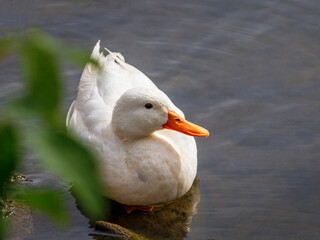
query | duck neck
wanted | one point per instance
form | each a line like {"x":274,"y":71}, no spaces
{"x":130,"y":133}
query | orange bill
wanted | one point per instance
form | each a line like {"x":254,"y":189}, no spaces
{"x":177,"y":123}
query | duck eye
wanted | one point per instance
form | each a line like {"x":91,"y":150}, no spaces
{"x":148,"y":105}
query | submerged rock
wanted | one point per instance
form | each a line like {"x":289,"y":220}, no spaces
{"x":17,"y":215}
{"x":118,"y":230}
{"x":21,"y":223}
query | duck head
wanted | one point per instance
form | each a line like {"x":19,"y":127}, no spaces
{"x":141,"y":111}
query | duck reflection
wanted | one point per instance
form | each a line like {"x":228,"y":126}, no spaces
{"x":167,"y":221}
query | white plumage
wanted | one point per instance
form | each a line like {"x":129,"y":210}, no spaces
{"x":140,"y":162}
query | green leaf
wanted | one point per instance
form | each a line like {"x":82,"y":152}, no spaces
{"x":9,"y":156}
{"x":49,"y":202}
{"x":5,"y":47}
{"x":76,"y":56}
{"x":2,"y":227}
{"x":72,"y":162}
{"x":39,"y":61}
{"x":9,"y":153}
{"x":37,"y":115}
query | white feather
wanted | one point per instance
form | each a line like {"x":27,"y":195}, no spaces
{"x":155,"y":169}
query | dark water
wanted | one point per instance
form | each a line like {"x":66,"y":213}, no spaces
{"x":249,"y":71}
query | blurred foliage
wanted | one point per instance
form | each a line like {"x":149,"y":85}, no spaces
{"x":45,"y":200}
{"x":35,"y":121}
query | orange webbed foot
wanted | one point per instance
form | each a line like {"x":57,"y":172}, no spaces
{"x":129,"y":209}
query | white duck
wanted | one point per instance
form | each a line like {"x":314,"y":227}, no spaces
{"x":122,"y":114}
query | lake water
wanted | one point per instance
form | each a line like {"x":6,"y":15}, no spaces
{"x":248,"y":71}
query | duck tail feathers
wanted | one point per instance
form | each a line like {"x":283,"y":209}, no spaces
{"x":117,"y":57}
{"x":96,"y":52}
{"x":98,"y":56}
{"x":89,"y":76}
{"x":88,"y":80}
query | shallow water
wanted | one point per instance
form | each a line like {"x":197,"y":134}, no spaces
{"x":246,"y":70}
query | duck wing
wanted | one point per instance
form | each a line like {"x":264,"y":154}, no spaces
{"x":99,"y":90}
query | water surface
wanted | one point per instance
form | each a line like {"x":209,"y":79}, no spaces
{"x":246,"y":70}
